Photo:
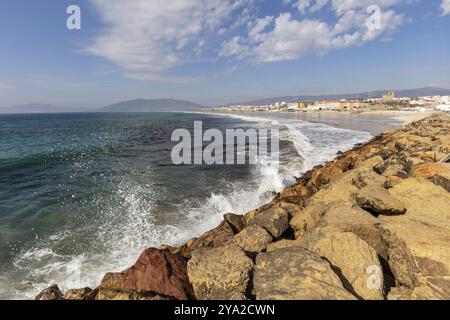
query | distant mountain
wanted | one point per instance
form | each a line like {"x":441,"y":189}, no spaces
{"x":37,"y":108}
{"x":411,"y":93}
{"x":143,"y":105}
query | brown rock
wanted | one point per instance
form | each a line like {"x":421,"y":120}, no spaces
{"x":235,"y":221}
{"x":51,"y":293}
{"x":418,"y":253}
{"x":378,"y":201}
{"x":355,"y":262}
{"x":275,"y":221}
{"x":253,"y":239}
{"x":214,"y":238}
{"x":77,"y":294}
{"x":345,"y":217}
{"x":443,"y":179}
{"x":391,"y":181}
{"x":220,"y":274}
{"x":308,"y":218}
{"x":281,"y":244}
{"x":159,"y":272}
{"x":296,"y":274}
{"x":430,"y":169}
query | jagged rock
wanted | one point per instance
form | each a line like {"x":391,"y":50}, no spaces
{"x":385,"y":153}
{"x":355,"y":262}
{"x":391,"y":181}
{"x":275,"y":221}
{"x":296,"y":274}
{"x":431,"y":169}
{"x":365,"y":178}
{"x":419,"y":293}
{"x":399,"y":293}
{"x":418,"y":253}
{"x":77,"y":294}
{"x":308,"y":218}
{"x":329,"y":173}
{"x":291,"y":208}
{"x":443,"y":180}
{"x":343,"y":216}
{"x":51,"y":293}
{"x":378,"y":201}
{"x":253,"y":239}
{"x":159,"y":272}
{"x":214,"y":238}
{"x":280,"y":244}
{"x":248,"y":217}
{"x":220,"y":274}
{"x":397,"y":165}
{"x":295,"y":194}
{"x":235,"y":221}
{"x":110,"y":287}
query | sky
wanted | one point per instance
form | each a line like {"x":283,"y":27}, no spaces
{"x":214,"y":52}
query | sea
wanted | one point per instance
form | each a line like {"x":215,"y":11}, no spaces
{"x":83,"y":194}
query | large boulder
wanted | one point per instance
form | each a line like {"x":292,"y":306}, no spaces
{"x":284,"y":243}
{"x":214,"y":238}
{"x":77,"y":294}
{"x":51,"y":293}
{"x":354,"y":261}
{"x":418,"y":251}
{"x":378,"y":201}
{"x":253,"y":239}
{"x":339,"y":216}
{"x":274,"y":220}
{"x":111,"y":289}
{"x":220,"y":273}
{"x":235,"y":221}
{"x":430,"y":169}
{"x":160,"y":272}
{"x":295,"y":273}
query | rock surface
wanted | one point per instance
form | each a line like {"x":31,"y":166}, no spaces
{"x":220,"y":274}
{"x":354,"y":261}
{"x":296,"y":274}
{"x":418,"y":242}
{"x":378,"y":201}
{"x":51,"y":293}
{"x":253,"y":239}
{"x":77,"y":294}
{"x":275,"y":221}
{"x":160,"y":272}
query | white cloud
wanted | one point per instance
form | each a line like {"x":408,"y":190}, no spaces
{"x":340,"y":7}
{"x":259,"y":25}
{"x":149,"y":39}
{"x":292,"y":39}
{"x":146,"y":39}
{"x":445,"y":6}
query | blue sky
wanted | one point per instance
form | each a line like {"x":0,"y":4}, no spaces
{"x":217,"y":51}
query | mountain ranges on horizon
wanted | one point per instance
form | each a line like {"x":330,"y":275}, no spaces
{"x":158,"y":105}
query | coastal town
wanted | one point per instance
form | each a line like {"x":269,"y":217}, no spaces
{"x":388,"y":102}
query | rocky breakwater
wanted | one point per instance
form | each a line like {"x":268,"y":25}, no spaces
{"x":372,"y":224}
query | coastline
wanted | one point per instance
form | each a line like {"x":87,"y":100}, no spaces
{"x":299,"y":217}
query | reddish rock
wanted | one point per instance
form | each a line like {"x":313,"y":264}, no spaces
{"x":51,"y":293}
{"x":160,"y":272}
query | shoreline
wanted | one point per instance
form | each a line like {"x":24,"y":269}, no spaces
{"x":282,"y":226}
